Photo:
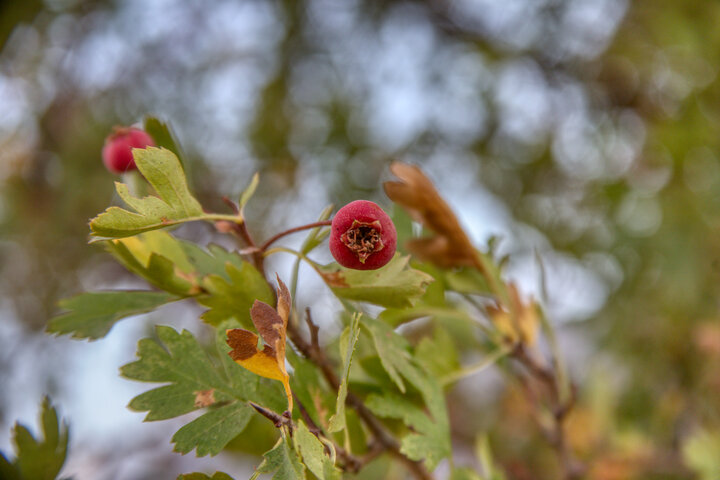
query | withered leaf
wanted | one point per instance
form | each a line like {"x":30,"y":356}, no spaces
{"x":271,"y":324}
{"x":450,"y":247}
{"x":204,"y":398}
{"x":521,"y":323}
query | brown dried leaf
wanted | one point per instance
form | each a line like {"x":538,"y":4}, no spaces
{"x":451,"y":247}
{"x":204,"y":398}
{"x":272,"y":325}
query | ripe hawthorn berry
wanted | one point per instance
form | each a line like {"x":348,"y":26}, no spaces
{"x":362,"y":236}
{"x":117,"y":151}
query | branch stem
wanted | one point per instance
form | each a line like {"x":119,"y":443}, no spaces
{"x":284,"y":233}
{"x":382,"y":436}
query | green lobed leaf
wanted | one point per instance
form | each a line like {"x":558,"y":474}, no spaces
{"x":391,"y":348}
{"x":210,"y":433}
{"x":394,"y":285}
{"x":284,"y":461}
{"x":175,"y":204}
{"x":38,"y":459}
{"x":92,"y":315}
{"x":192,"y":382}
{"x":429,"y":439}
{"x":432,"y":440}
{"x":202,"y":476}
{"x":347,"y":341}
{"x":438,"y":354}
{"x":231,"y":296}
{"x":313,"y":454}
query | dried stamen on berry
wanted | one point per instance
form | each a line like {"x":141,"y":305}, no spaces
{"x":363,"y":239}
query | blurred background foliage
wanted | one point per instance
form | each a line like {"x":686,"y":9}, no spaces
{"x":583,"y":131}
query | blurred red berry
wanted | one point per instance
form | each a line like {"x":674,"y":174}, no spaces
{"x":117,"y":151}
{"x":362,"y":236}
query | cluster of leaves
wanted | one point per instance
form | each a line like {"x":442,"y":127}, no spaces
{"x":396,"y":387}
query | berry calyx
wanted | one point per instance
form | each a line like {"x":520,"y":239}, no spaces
{"x":117,"y":151}
{"x":362,"y":236}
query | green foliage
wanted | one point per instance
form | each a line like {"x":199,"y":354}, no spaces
{"x":194,"y":382}
{"x":401,"y":385}
{"x":394,"y":285}
{"x":313,"y":454}
{"x":283,"y":461}
{"x":37,"y":459}
{"x":162,"y":134}
{"x":231,"y":295}
{"x":202,"y":476}
{"x":92,"y":315}
{"x":220,"y":280}
{"x":431,"y":438}
{"x":175,"y":204}
{"x":210,"y":433}
{"x":347,"y":341}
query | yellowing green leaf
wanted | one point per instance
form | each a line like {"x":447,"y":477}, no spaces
{"x":219,"y":279}
{"x":272,"y":326}
{"x":175,"y":204}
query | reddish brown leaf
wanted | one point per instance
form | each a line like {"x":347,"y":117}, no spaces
{"x":450,"y":247}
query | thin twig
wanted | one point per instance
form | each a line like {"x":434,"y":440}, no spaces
{"x":351,"y":463}
{"x":239,"y":228}
{"x":314,"y":330}
{"x":278,"y":236}
{"x":277,"y":419}
{"x":572,"y":468}
{"x":382,"y":436}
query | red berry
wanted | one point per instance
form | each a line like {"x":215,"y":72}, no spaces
{"x":117,"y":151}
{"x":362,"y":236}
